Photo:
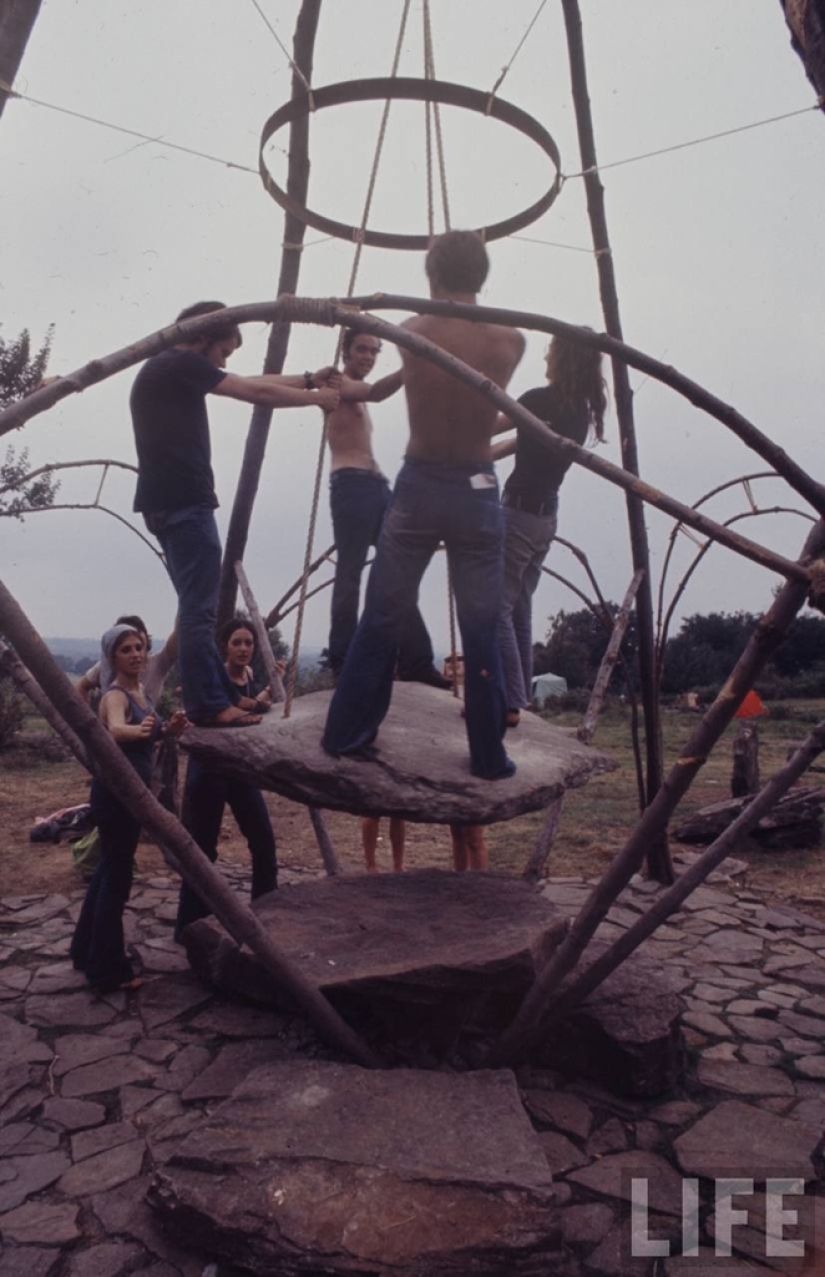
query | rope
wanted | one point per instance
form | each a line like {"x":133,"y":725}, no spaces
{"x":429,"y":74}
{"x":295,"y":68}
{"x":120,"y":128}
{"x":697,"y":141}
{"x":505,"y":69}
{"x":319,"y":468}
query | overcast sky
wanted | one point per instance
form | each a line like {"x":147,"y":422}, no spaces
{"x":718,"y":252}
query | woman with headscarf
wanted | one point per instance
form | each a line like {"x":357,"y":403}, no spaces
{"x":573,"y":402}
{"x":98,"y":948}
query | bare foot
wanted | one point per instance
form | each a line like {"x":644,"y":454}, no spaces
{"x":513,"y":717}
{"x":372,"y":869}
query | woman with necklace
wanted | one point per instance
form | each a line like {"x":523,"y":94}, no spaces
{"x":98,"y":947}
{"x":208,"y":792}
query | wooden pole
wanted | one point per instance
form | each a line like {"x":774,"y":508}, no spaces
{"x":325,"y":844}
{"x":611,"y":655}
{"x":658,"y":856}
{"x":17,"y":19}
{"x":534,"y":868}
{"x":273,"y":674}
{"x":767,"y":637}
{"x":118,"y":773}
{"x":297,"y":186}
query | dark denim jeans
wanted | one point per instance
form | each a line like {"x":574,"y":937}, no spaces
{"x":98,"y":947}
{"x":432,"y":502}
{"x":205,"y":798}
{"x":189,"y":539}
{"x":359,"y":500}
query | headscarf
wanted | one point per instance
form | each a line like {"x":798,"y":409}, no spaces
{"x":107,"y":649}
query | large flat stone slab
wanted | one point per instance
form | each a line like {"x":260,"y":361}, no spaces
{"x":317,"y":1166}
{"x":422,"y":771}
{"x":388,"y":946}
{"x":736,"y":1139}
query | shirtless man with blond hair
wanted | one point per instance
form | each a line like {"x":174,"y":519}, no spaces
{"x":446,"y":491}
{"x":359,"y":497}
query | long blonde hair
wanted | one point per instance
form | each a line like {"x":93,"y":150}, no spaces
{"x":575,"y":371}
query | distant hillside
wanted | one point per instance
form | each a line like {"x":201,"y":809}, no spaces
{"x":80,"y":649}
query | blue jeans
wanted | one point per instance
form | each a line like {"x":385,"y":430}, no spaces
{"x":189,"y":539}
{"x":432,"y":502}
{"x":358,"y":501}
{"x":205,"y":798}
{"x":527,"y":539}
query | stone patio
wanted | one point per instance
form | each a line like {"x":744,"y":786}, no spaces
{"x":87,"y":1085}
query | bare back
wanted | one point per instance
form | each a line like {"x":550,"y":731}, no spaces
{"x":448,"y":420}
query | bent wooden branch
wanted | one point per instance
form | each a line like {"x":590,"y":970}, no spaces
{"x":349,"y":311}
{"x":117,"y":772}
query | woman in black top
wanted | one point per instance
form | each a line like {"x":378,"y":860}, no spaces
{"x":572,"y":403}
{"x":207,"y":792}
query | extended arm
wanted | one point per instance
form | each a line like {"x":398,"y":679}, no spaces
{"x":274,"y":391}
{"x":504,"y":448}
{"x":371,"y":392}
{"x":113,"y":709}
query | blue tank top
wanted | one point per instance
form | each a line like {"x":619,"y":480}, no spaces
{"x":139,"y":752}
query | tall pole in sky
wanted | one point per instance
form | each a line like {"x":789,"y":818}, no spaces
{"x":658,"y":858}
{"x":806,"y":19}
{"x":17,"y":18}
{"x":293,"y":238}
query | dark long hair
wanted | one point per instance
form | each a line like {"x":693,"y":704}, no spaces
{"x":575,"y":371}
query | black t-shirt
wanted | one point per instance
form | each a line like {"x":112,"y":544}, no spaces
{"x":168,"y":405}
{"x":538,"y":472}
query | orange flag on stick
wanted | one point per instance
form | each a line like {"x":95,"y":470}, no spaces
{"x":752,"y":706}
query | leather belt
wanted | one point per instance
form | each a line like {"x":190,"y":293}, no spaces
{"x":539,"y":508}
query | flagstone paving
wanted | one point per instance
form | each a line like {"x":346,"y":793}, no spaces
{"x":85,"y":1082}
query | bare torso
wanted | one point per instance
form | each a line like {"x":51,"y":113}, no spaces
{"x":449,"y":421}
{"x":349,"y":433}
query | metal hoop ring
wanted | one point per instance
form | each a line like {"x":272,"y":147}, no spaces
{"x":412,"y":90}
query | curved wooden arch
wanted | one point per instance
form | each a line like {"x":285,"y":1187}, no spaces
{"x":408,"y":89}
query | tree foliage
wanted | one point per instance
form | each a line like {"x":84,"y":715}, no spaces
{"x":701,"y":655}
{"x":576,"y":643}
{"x":20,"y":373}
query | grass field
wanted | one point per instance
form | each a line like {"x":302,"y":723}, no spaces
{"x":595,"y":823}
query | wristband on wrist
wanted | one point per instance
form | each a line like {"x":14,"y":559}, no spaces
{"x":309,"y":381}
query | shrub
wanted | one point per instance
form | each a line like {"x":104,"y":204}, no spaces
{"x":12,"y":712}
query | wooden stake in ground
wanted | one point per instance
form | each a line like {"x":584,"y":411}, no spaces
{"x":198,"y":871}
{"x":325,"y":844}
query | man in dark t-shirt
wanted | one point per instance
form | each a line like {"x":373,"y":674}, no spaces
{"x":176,"y":488}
